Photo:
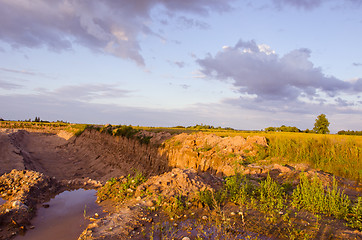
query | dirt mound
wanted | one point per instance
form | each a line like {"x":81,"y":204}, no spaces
{"x":185,"y":182}
{"x":120,"y":223}
{"x":22,"y":190}
{"x":211,"y":153}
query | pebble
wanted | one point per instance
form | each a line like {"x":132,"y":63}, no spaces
{"x":185,"y":238}
{"x":232,"y":214}
{"x":19,"y":204}
{"x":204,"y":217}
{"x":149,"y":203}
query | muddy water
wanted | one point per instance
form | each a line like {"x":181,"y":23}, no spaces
{"x":64,"y":218}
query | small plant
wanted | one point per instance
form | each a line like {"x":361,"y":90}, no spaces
{"x":119,"y":189}
{"x":238,"y":188}
{"x":312,"y":196}
{"x":354,"y":219}
{"x":213,"y":200}
{"x":271,"y":195}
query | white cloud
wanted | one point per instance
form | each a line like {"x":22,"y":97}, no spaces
{"x":107,"y":26}
{"x":258,"y":70}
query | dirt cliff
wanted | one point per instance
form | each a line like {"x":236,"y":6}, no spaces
{"x":211,"y":153}
{"x":91,"y":155}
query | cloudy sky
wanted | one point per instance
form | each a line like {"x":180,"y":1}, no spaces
{"x":230,"y":63}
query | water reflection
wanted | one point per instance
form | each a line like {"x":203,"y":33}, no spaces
{"x":64,"y":218}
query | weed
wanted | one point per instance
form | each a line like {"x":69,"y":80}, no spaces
{"x":312,"y":196}
{"x":354,"y":219}
{"x":119,"y":189}
{"x":205,"y":148}
{"x":238,"y":188}
{"x":271,"y":195}
{"x":213,"y":200}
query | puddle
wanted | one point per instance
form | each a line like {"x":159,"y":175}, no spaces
{"x":2,"y":201}
{"x":64,"y":218}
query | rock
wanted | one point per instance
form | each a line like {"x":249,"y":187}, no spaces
{"x":149,"y":203}
{"x":185,"y":238}
{"x":18,"y":204}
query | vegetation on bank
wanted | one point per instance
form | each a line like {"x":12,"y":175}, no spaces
{"x":119,"y":189}
{"x":123,"y":131}
{"x":45,"y":126}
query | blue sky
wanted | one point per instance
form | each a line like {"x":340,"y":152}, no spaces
{"x":241,"y":64}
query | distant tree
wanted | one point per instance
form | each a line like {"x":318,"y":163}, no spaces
{"x":270,"y":129}
{"x":321,"y":124}
{"x":37,"y":119}
{"x":1,"y":119}
{"x":349,"y":132}
{"x":282,"y":128}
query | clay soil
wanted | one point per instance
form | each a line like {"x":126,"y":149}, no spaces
{"x":36,"y":166}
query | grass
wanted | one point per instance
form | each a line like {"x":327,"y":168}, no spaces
{"x":118,"y":189}
{"x":339,"y":156}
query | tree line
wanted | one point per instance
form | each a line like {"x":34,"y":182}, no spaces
{"x":320,"y":126}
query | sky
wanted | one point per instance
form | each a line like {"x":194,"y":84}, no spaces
{"x":231,"y":63}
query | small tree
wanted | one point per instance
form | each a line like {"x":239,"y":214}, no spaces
{"x":321,"y":124}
